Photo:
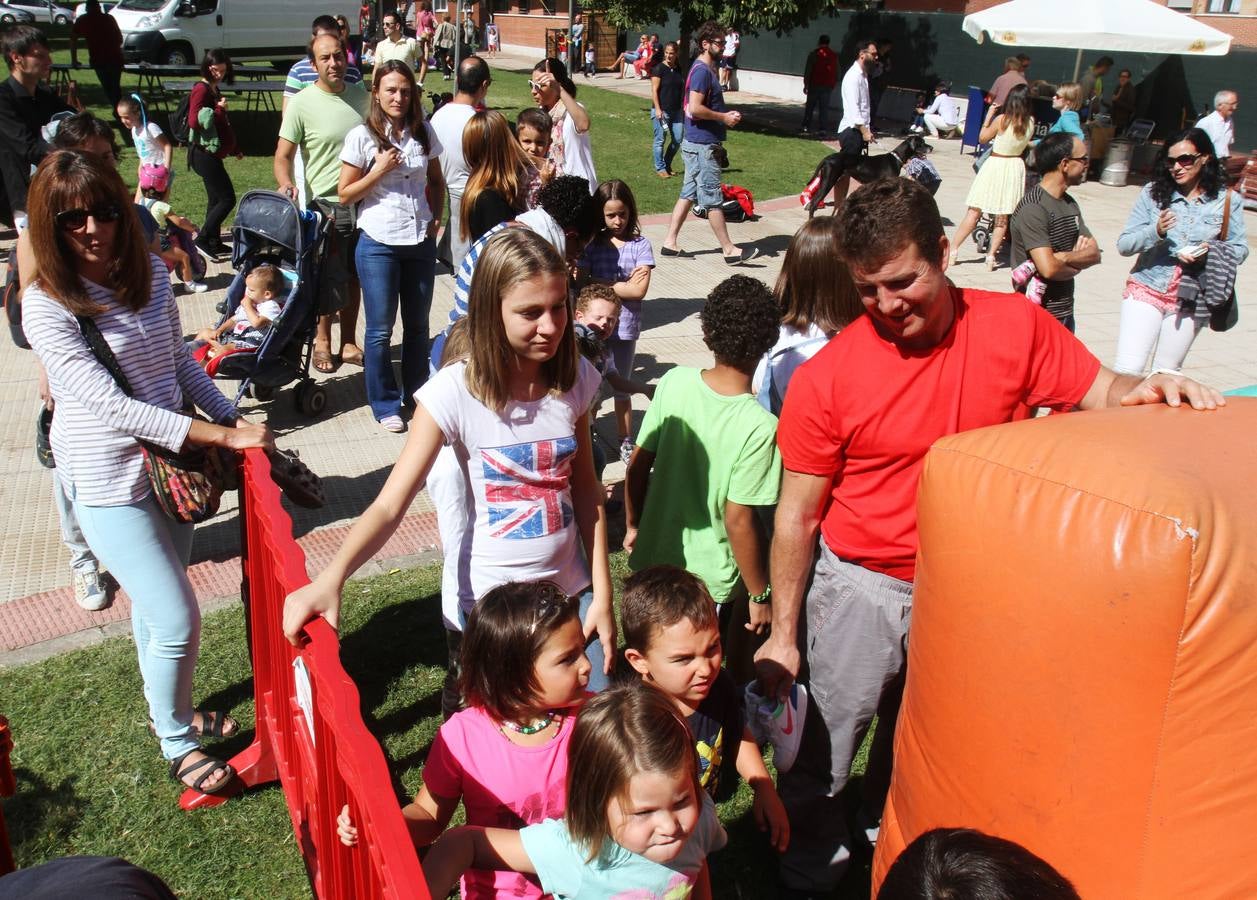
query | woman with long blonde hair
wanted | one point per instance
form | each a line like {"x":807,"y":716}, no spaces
{"x":497,"y":185}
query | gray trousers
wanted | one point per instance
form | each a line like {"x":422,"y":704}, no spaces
{"x":856,"y":643}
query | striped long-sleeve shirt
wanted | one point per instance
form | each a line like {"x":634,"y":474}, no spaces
{"x":96,"y":425}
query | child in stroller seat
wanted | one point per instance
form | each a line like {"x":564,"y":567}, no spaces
{"x":264,"y":293}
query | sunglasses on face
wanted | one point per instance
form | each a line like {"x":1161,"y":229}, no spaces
{"x":76,"y":219}
{"x":1082,"y":158}
{"x":534,"y":85}
{"x":1187,"y":159}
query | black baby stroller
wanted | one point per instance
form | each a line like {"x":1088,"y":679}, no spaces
{"x":269,"y":228}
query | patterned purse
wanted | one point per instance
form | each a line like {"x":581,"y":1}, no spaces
{"x":187,"y":485}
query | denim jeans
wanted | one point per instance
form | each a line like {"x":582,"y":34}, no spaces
{"x":147,"y":553}
{"x":817,"y":99}
{"x":82,"y":560}
{"x":393,"y":278}
{"x":598,"y":681}
{"x":672,"y":124}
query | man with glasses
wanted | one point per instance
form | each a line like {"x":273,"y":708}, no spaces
{"x":1048,"y":231}
{"x":855,"y":130}
{"x":706,"y":118}
{"x":1219,"y":125}
{"x":395,"y":45}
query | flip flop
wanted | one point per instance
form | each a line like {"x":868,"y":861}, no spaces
{"x":322,"y":361}
{"x":215,"y":766}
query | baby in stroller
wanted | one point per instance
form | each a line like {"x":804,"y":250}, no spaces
{"x":262,"y":303}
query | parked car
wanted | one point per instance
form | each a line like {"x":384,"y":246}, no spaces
{"x":44,"y":11}
{"x":10,"y":15}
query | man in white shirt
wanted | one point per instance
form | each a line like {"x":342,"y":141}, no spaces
{"x":942,"y":114}
{"x":1218,"y":124}
{"x":855,"y":131}
{"x":448,"y":123}
{"x":395,"y":45}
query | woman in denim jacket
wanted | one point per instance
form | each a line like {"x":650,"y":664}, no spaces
{"x":1178,"y":211}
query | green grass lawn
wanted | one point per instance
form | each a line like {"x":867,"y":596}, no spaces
{"x":767,"y":163}
{"x":90,"y":779}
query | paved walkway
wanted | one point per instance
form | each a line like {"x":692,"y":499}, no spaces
{"x":38,"y":615}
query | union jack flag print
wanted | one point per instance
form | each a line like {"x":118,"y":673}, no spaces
{"x":524,"y":485}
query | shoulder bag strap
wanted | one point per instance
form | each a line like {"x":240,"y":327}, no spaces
{"x":100,"y":349}
{"x":1226,"y":215}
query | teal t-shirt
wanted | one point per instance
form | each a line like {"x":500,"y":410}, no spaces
{"x":709,"y":448}
{"x":317,"y":121}
{"x":618,"y":874}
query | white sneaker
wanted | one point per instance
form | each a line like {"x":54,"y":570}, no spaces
{"x":196,"y":287}
{"x":90,"y":591}
{"x":626,"y":450}
{"x":778,"y":723}
{"x":393,"y":424}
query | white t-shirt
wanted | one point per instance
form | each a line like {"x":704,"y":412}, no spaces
{"x":267,"y":309}
{"x":395,"y":211}
{"x":148,"y":144}
{"x":732,"y":41}
{"x":448,"y":123}
{"x":519,"y":465}
{"x":578,"y":153}
{"x":1221,"y":132}
{"x":793,"y":349}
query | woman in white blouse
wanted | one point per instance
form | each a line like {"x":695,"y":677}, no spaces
{"x":91,"y":261}
{"x":386,"y":164}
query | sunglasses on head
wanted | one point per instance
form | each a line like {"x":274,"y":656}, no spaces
{"x":1185,"y":160}
{"x":76,"y":219}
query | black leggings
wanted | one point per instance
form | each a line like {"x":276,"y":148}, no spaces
{"x":220,"y":194}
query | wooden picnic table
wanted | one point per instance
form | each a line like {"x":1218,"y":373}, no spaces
{"x":257,"y":94}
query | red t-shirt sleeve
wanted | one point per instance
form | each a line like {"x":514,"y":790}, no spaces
{"x":807,"y":433}
{"x":1061,"y":369}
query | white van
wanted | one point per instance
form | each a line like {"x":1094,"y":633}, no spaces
{"x":178,"y":32}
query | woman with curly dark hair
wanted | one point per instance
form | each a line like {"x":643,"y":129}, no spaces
{"x":714,"y":456}
{"x":1178,"y":220}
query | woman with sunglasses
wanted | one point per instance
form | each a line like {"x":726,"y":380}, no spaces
{"x":1177,"y":214}
{"x":389,"y":167}
{"x":555,"y":92}
{"x":1067,"y":101}
{"x":91,"y":262}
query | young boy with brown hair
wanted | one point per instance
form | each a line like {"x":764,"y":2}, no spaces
{"x":672,"y":638}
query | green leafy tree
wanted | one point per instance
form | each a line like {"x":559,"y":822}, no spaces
{"x":751,"y":16}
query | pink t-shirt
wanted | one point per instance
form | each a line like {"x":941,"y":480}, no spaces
{"x":503,"y":785}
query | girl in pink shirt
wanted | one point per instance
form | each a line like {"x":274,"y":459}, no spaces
{"x":523,"y":674}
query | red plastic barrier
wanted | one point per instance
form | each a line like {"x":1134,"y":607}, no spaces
{"x":310,"y":733}
{"x":8,"y":786}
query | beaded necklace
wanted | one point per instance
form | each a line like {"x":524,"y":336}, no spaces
{"x":537,"y":725}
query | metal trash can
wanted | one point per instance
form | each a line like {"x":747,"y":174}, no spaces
{"x":1117,"y":163}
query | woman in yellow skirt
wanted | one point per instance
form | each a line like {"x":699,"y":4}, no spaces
{"x":999,"y":184}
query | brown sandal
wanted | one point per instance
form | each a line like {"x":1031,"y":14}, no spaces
{"x":214,"y":724}
{"x":352,"y":360}
{"x":322,"y":361}
{"x":179,"y":772}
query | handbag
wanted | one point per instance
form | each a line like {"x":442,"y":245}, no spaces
{"x":187,"y":485}
{"x":982,"y":158}
{"x":1226,"y":316}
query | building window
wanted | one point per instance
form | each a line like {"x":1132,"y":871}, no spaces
{"x":1224,"y":6}
{"x":1185,"y":5}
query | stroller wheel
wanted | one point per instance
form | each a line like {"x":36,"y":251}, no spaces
{"x":261,"y":394}
{"x":311,"y":398}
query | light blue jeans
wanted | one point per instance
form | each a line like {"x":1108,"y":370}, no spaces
{"x":147,"y":553}
{"x":598,"y":681}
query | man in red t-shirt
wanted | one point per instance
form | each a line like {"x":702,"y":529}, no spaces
{"x":928,"y":359}
{"x":820,"y":75}
{"x":104,"y":48}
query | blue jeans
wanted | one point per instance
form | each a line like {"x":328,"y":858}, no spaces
{"x":671,"y":124}
{"x":817,"y":99}
{"x":393,"y":278}
{"x":598,"y":681}
{"x":148,"y":553}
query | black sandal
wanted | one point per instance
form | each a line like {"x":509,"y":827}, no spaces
{"x":216,"y":765}
{"x":221,"y":725}
{"x":294,"y":478}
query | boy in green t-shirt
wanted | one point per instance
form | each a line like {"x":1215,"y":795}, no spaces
{"x":713,"y":449}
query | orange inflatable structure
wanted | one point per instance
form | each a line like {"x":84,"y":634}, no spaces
{"x":1082,"y":665}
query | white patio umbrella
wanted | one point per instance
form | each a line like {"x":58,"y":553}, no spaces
{"x":1134,"y":26}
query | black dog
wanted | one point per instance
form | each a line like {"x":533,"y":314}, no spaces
{"x":834,"y":167}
